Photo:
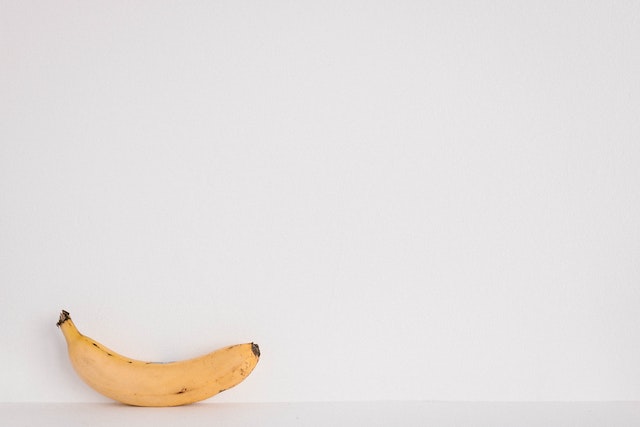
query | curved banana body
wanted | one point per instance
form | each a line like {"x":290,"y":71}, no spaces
{"x":156,"y":384}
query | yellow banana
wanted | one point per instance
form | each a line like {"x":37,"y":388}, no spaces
{"x":156,"y":384}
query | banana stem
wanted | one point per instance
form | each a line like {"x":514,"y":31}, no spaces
{"x":68,"y":327}
{"x":64,"y":316}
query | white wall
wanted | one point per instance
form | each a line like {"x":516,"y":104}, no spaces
{"x":396,"y":200}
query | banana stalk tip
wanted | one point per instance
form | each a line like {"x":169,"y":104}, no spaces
{"x":255,"y":349}
{"x":64,"y":316}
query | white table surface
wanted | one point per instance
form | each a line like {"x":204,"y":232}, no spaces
{"x":472,"y":414}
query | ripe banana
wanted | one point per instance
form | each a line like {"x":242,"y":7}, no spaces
{"x":156,"y":384}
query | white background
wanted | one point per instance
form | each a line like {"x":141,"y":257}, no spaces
{"x":396,"y":200}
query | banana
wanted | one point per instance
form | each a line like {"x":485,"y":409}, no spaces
{"x":138,"y":383}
